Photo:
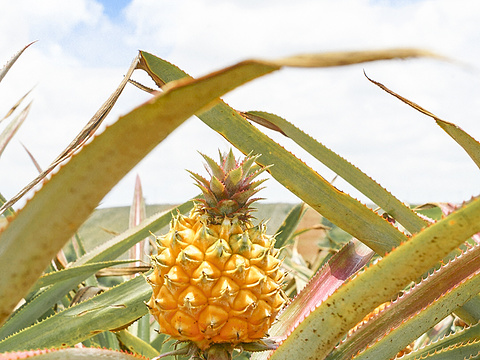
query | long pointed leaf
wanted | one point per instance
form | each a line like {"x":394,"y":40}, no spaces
{"x":336,"y":206}
{"x":110,"y":310}
{"x":61,"y":283}
{"x":470,"y":350}
{"x":327,"y":324}
{"x":465,"y":336}
{"x":408,"y":331}
{"x":65,"y":201}
{"x":85,"y":134}
{"x":12,"y":61}
{"x":136,"y":345}
{"x":72,"y":354}
{"x":115,"y":247}
{"x":389,"y":203}
{"x":346,"y":262}
{"x":140,"y":250}
{"x":468,"y":143}
{"x":436,"y":294}
{"x":82,"y":270}
{"x":12,"y":128}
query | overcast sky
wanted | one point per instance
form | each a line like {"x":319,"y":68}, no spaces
{"x":85,"y":47}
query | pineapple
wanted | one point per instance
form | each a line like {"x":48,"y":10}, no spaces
{"x":217,"y":277}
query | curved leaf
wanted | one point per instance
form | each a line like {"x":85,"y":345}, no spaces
{"x":289,"y":225}
{"x":110,"y":310}
{"x":118,"y":245}
{"x":329,"y":322}
{"x":135,"y":344}
{"x":350,"y":173}
{"x":12,"y":61}
{"x":415,"y":311}
{"x":339,"y":208}
{"x":465,"y":336}
{"x":64,"y":202}
{"x":83,"y":271}
{"x":468,"y":143}
{"x":469,"y":350}
{"x":61,"y":283}
{"x":71,"y":354}
{"x":12,"y":128}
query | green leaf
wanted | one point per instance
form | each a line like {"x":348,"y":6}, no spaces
{"x":417,"y":310}
{"x":470,"y":350}
{"x":72,"y":354}
{"x":10,"y":130}
{"x":109,"y":310}
{"x":339,"y":208}
{"x":233,"y":178}
{"x":61,"y":283}
{"x":65,"y":201}
{"x":346,"y":262}
{"x":135,"y":344}
{"x":289,"y":225}
{"x":468,"y":143}
{"x":82,"y":271}
{"x":9,"y":211}
{"x":399,"y":337}
{"x":117,"y":246}
{"x":329,"y":322}
{"x":466,"y":336}
{"x":216,"y":169}
{"x":350,"y":173}
{"x":161,"y":342}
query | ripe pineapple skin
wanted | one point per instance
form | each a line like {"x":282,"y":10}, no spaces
{"x":215,"y":282}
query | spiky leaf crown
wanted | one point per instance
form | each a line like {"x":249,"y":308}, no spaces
{"x":229,"y":191}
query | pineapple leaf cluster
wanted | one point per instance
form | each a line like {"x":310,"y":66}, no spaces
{"x":231,"y":187}
{"x":398,"y":282}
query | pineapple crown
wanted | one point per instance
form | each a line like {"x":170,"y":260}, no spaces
{"x":228,"y":193}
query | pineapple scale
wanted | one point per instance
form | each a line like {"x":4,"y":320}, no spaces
{"x":215,"y":283}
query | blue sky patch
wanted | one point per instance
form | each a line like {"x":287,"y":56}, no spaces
{"x":113,"y":8}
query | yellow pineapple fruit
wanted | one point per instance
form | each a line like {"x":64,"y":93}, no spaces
{"x":217,"y":277}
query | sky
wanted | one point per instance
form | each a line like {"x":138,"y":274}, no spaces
{"x":84,"y":47}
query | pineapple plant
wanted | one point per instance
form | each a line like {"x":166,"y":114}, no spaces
{"x":425,"y":273}
{"x":217,"y":277}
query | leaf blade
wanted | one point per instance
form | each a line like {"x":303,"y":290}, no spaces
{"x":467,"y":142}
{"x":292,"y":173}
{"x":82,"y":181}
{"x":390,"y":275}
{"x":353,"y":175}
{"x":109,"y":310}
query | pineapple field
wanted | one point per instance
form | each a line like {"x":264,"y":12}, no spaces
{"x":226,"y":275}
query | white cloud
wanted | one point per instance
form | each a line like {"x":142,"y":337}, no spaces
{"x":82,"y":55}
